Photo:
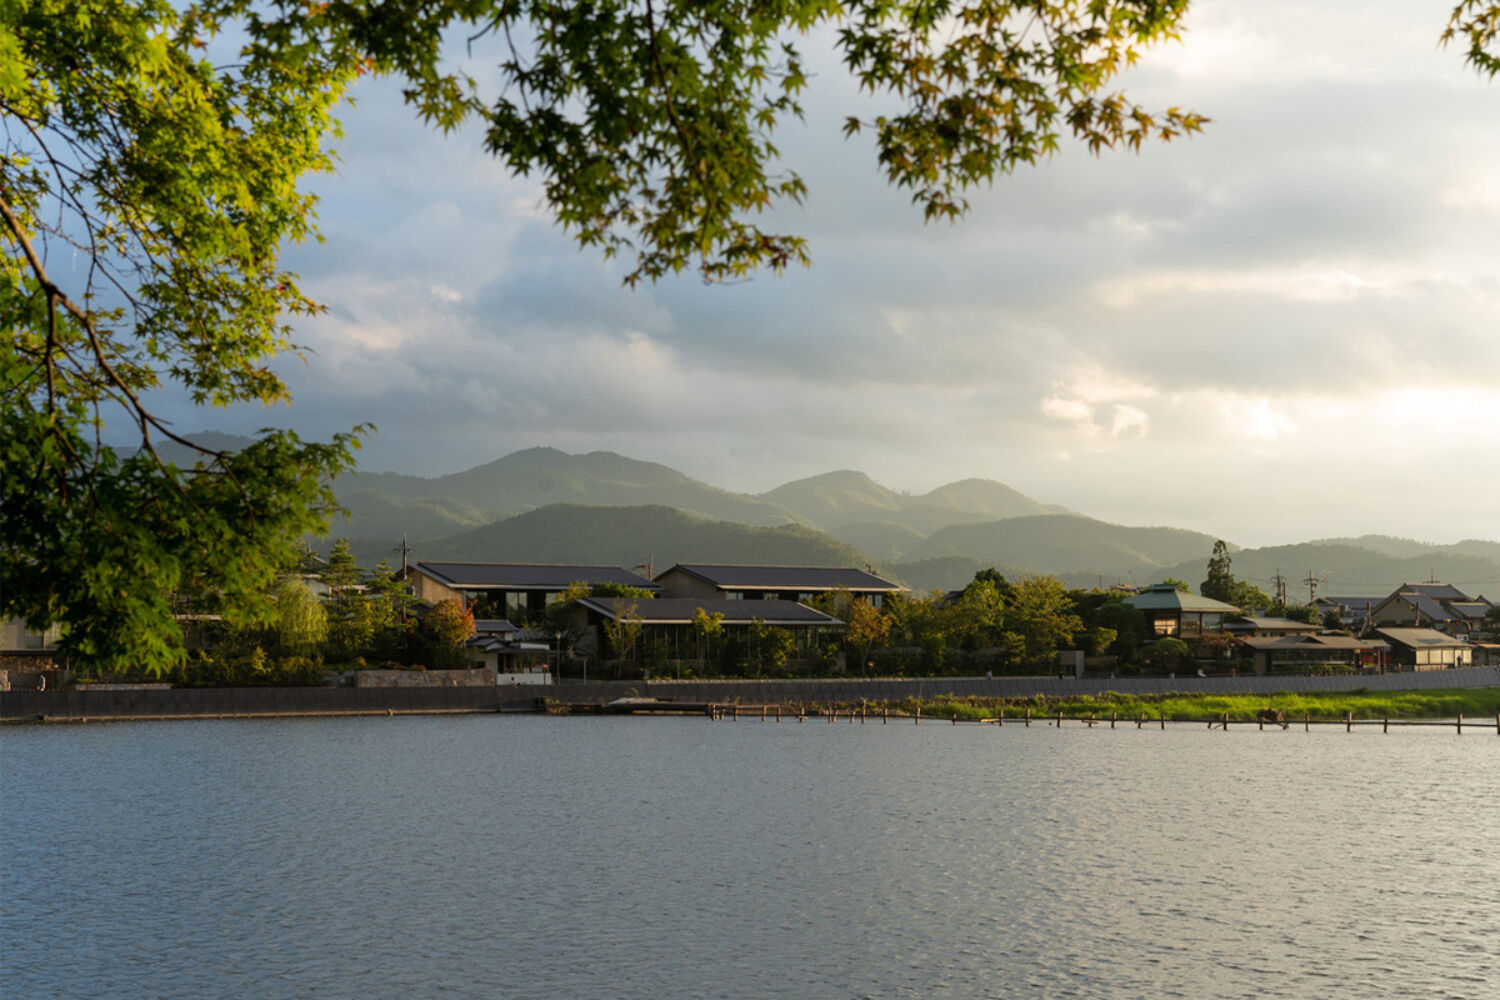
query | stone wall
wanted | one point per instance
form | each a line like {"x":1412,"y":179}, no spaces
{"x":481,"y":677}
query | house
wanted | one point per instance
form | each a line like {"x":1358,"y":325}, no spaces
{"x":515,"y":590}
{"x":772,"y":583}
{"x":1248,"y":626}
{"x":1427,"y":649}
{"x":1438,"y":606}
{"x":1298,"y":653}
{"x":1353,"y":612}
{"x":1171,"y":612}
{"x":516,"y":655}
{"x":668,"y":621}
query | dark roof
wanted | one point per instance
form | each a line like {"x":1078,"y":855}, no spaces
{"x":1435,"y":591}
{"x":803,"y":578}
{"x":493,"y":626}
{"x":1287,"y":624}
{"x":680,"y":610}
{"x":1415,"y":638}
{"x":1359,"y":605}
{"x":1470,"y":609}
{"x":1166,"y":597}
{"x":1424,"y":605}
{"x":527,"y":576}
{"x":1311,"y":642}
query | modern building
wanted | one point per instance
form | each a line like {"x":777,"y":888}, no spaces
{"x":515,"y":590}
{"x":1172,"y":612}
{"x":1299,"y":653}
{"x":1427,"y":649}
{"x":668,"y":621}
{"x":772,"y":583}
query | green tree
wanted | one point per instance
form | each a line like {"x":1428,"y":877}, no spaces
{"x":623,"y":629}
{"x":1039,"y":620}
{"x":864,"y":628}
{"x":1220,"y":582}
{"x":1181,"y":585}
{"x":707,"y":630}
{"x":770,"y":647}
{"x":1247,"y":597}
{"x":300,"y":623}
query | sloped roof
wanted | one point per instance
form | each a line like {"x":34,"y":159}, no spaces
{"x":1358,"y":605}
{"x":1288,"y":624}
{"x":1470,"y":609}
{"x":1420,"y":638}
{"x":1424,"y":605}
{"x":1311,"y":642}
{"x":681,"y":610}
{"x":527,"y":576}
{"x":805,"y":578}
{"x":1435,"y":591}
{"x":1166,"y":597}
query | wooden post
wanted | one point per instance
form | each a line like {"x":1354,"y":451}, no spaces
{"x":1028,"y":717}
{"x":736,"y":717}
{"x":762,"y":713}
{"x":1348,"y":722}
{"x":1262,"y":723}
{"x":918,"y":721}
{"x":1385,"y":725}
{"x":1226,"y":722}
{"x":1307,"y":722}
{"x":801,"y":714}
{"x":1002,"y":719}
{"x":1497,"y":723}
{"x":1460,"y":723}
{"x":1139,"y":723}
{"x":1111,"y":720}
{"x":1059,"y":718}
{"x":885,"y":715}
{"x":955,"y":718}
{"x":1163,"y":722}
{"x":778,"y":712}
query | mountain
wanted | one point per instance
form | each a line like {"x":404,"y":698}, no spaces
{"x":1353,"y":571}
{"x":836,"y":499}
{"x":1070,"y":546}
{"x":632,"y":536}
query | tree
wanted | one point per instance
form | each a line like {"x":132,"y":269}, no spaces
{"x":1039,"y":619}
{"x":1220,"y":582}
{"x":770,"y":646}
{"x":1181,"y":585}
{"x":707,"y":629}
{"x":144,"y":198}
{"x":1247,"y":597}
{"x":865,"y":627}
{"x":445,"y":627}
{"x":301,"y":624}
{"x":623,"y":629}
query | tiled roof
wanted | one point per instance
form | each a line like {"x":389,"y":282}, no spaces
{"x":1312,"y":642}
{"x":1420,"y":638}
{"x":680,"y":610}
{"x":803,"y":578}
{"x":1435,"y":591}
{"x":1166,"y":597}
{"x":527,"y":576}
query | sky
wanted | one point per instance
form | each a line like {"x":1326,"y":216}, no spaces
{"x":1284,"y":328}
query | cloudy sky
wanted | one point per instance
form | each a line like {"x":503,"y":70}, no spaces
{"x":1286,"y":327}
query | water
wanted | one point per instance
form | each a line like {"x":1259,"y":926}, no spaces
{"x":485,"y":856}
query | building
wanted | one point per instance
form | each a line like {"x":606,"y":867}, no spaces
{"x":1426,"y":649}
{"x":667,"y":622}
{"x":1353,"y":612}
{"x":517,"y":656}
{"x":514,"y":590}
{"x":1438,"y":606}
{"x":1171,"y":612}
{"x":1248,"y":626}
{"x":772,"y":583}
{"x":1299,"y":653}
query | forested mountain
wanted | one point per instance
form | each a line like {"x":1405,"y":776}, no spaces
{"x":544,"y":505}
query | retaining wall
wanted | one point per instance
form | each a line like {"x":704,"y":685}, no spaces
{"x":85,"y":704}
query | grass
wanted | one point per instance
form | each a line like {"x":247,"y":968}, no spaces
{"x":1444,"y":703}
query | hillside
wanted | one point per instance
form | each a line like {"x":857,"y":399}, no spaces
{"x":1069,"y":546}
{"x":836,"y":499}
{"x":632,"y":536}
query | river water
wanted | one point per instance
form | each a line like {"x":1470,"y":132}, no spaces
{"x":503,"y":856}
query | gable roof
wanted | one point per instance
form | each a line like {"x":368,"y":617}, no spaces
{"x":1312,"y":642}
{"x":1166,"y":597}
{"x":803,"y":578}
{"x":682,"y":610}
{"x":1420,"y":638}
{"x":527,"y":576}
{"x":1435,"y":591}
{"x":1424,"y":605}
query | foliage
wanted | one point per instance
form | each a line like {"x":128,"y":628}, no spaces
{"x":1477,"y":22}
{"x":1168,"y":654}
{"x":865,"y":627}
{"x":1492,"y":623}
{"x":1181,"y":585}
{"x":1247,"y":597}
{"x":1220,"y":583}
{"x":144,"y":197}
{"x":707,"y":629}
{"x":623,"y":629}
{"x":300,"y":623}
{"x":1296,"y":612}
{"x":1039,"y":620}
{"x":444,"y":628}
{"x":768,"y":647}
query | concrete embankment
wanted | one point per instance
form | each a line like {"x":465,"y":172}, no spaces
{"x":82,"y":703}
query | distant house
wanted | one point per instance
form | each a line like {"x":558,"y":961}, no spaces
{"x":19,"y":640}
{"x":772,"y":583}
{"x":1439,"y":606}
{"x":516,"y":589}
{"x":516,"y":655}
{"x":1247,"y":626}
{"x":1298,"y":653}
{"x":1353,"y":612}
{"x":1171,"y":612}
{"x":669,"y":620}
{"x":1427,"y":649}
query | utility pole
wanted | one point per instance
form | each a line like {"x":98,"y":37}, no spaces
{"x":404,"y":549}
{"x":1280,"y":582}
{"x":1312,"y":586}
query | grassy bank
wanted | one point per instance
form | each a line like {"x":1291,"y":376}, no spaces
{"x":1443,"y":703}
